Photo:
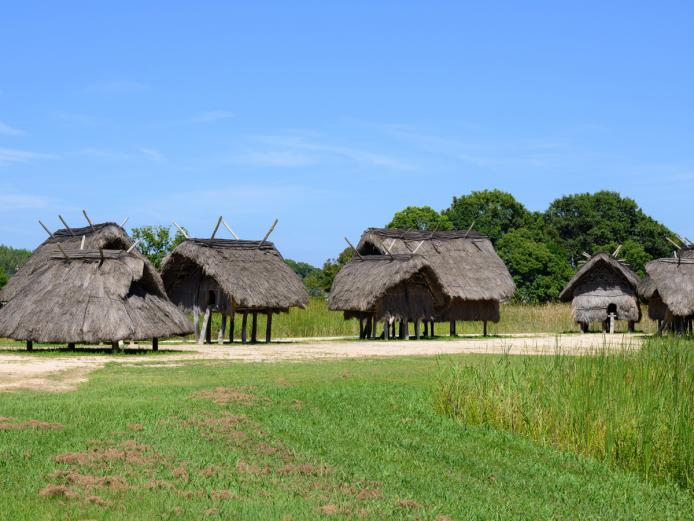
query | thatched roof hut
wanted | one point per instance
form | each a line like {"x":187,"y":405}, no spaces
{"x":89,"y":297}
{"x":603,"y":286}
{"x":105,"y":236}
{"x":470,"y":272}
{"x":669,"y":289}
{"x":385,"y":288}
{"x":232,"y":276}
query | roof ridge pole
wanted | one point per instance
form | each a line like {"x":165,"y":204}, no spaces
{"x":224,"y":222}
{"x":268,"y":234}
{"x":134,"y":245}
{"x":469,"y":229}
{"x":62,"y":250}
{"x":214,"y":232}
{"x":678,"y":246}
{"x":66,"y":225}
{"x":47,"y":230}
{"x":355,"y":250}
{"x":183,"y":232}
{"x":91,"y":224}
{"x":616,"y":252}
{"x":124,"y":221}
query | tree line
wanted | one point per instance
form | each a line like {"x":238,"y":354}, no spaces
{"x":541,"y":249}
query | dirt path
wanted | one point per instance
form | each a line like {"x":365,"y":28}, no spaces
{"x":64,"y":373}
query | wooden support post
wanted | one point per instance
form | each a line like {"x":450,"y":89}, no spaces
{"x":268,"y":328}
{"x":433,"y":333}
{"x":361,"y":328}
{"x":222,"y":329}
{"x":407,"y":329}
{"x":416,"y":328}
{"x":426,"y":328}
{"x":205,"y":326}
{"x":155,"y":344}
{"x":367,"y":328}
{"x":115,"y":346}
{"x":71,"y":346}
{"x":386,"y":330}
{"x":208,"y":327}
{"x":244,"y":328}
{"x":631,"y":326}
{"x":196,"y":321}
{"x":401,"y":332}
{"x":254,"y":328}
{"x":583,"y":326}
{"x":231,"y":326}
{"x":484,"y":333}
{"x":30,"y":345}
{"x":452,"y":329}
{"x":373,"y":327}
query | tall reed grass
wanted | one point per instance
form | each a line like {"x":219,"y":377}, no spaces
{"x":633,"y":408}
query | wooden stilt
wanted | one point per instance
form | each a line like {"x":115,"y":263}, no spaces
{"x":155,"y":344}
{"x":426,"y":328}
{"x":196,"y":321}
{"x":254,"y":328}
{"x":452,"y":330}
{"x":416,"y":328}
{"x":431,"y":327}
{"x":484,"y":332}
{"x":231,"y":327}
{"x":268,"y":328}
{"x":373,"y":327}
{"x":361,"y":328}
{"x":244,"y":328}
{"x":367,"y":328}
{"x":406,"y":323}
{"x":386,"y":330}
{"x":205,"y":325}
{"x":208,"y":326}
{"x":71,"y":346}
{"x":222,"y":329}
{"x":30,"y":345}
{"x":115,"y":346}
{"x":631,"y":326}
{"x":401,"y":331}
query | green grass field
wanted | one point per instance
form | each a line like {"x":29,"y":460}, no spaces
{"x":291,"y":441}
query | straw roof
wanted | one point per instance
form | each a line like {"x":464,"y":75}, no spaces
{"x":600,"y":261}
{"x":406,"y":282}
{"x":87,"y":299}
{"x":672,"y":280}
{"x":107,"y":236}
{"x":253,"y":275}
{"x":465,"y":263}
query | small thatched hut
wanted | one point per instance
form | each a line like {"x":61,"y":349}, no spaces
{"x":669,"y":289}
{"x":386,"y":288}
{"x":89,"y":296}
{"x":601,"y":288}
{"x":472,"y":275}
{"x":231,"y":276}
{"x":105,"y":236}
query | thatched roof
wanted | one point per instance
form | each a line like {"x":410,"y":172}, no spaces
{"x":599,"y":261}
{"x":252,"y":275}
{"x":107,"y":236}
{"x":465,"y":263}
{"x":673,"y":280}
{"x":87,"y":299}
{"x":362,"y":282}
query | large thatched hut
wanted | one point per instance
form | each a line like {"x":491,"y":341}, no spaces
{"x":472,"y":275}
{"x":603,"y":289}
{"x":88,"y":296}
{"x":231,"y":276}
{"x":669,"y":289}
{"x":399,"y":288}
{"x":105,"y":236}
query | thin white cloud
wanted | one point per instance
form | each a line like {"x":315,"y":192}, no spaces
{"x":11,"y":155}
{"x":17,"y":201}
{"x":213,"y":115}
{"x":7,"y":130}
{"x":152,"y":154}
{"x":276,"y":158}
{"x":116,"y":87}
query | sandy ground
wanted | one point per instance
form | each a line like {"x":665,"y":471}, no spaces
{"x":64,"y":373}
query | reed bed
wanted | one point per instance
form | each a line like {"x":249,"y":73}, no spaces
{"x":632,"y":408}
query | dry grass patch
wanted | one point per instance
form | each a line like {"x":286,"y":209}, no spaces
{"x":226,"y":395}
{"x":7,"y":424}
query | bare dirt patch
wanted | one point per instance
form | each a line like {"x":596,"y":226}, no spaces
{"x":225,"y":395}
{"x":7,"y":424}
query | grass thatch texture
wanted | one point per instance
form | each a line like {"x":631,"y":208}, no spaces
{"x":634,"y":409}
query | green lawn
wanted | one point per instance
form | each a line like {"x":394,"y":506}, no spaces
{"x":290,"y":441}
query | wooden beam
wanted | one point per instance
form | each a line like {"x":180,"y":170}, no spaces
{"x":355,"y":250}
{"x":268,"y":233}
{"x":230,"y":230}
{"x":208,"y":325}
{"x":91,"y":224}
{"x":416,"y":329}
{"x":155,"y":344}
{"x":134,"y":245}
{"x":30,"y":345}
{"x":484,"y":331}
{"x":268,"y":328}
{"x":232,"y":321}
{"x":62,"y":250}
{"x":433,"y":333}
{"x":254,"y":328}
{"x":66,"y":226}
{"x":82,"y":242}
{"x":71,"y":346}
{"x":678,"y":246}
{"x":125,"y":221}
{"x":386,"y":330}
{"x":183,"y":232}
{"x":205,"y":323}
{"x":214,"y":232}
{"x":47,"y":230}
{"x":361,"y":328}
{"x":196,"y":320}
{"x":469,"y":230}
{"x":452,"y":330}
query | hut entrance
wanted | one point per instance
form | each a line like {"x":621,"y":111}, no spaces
{"x":612,"y":309}
{"x":611,"y":318}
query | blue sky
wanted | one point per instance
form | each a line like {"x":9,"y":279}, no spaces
{"x":333,"y":115}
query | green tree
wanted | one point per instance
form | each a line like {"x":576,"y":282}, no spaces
{"x":312,"y":277}
{"x":331,"y":267}
{"x":539,"y":269}
{"x":11,"y":259}
{"x":3,"y":277}
{"x":493,"y":213}
{"x":420,"y":218}
{"x":586,"y":222}
{"x":156,"y":242}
